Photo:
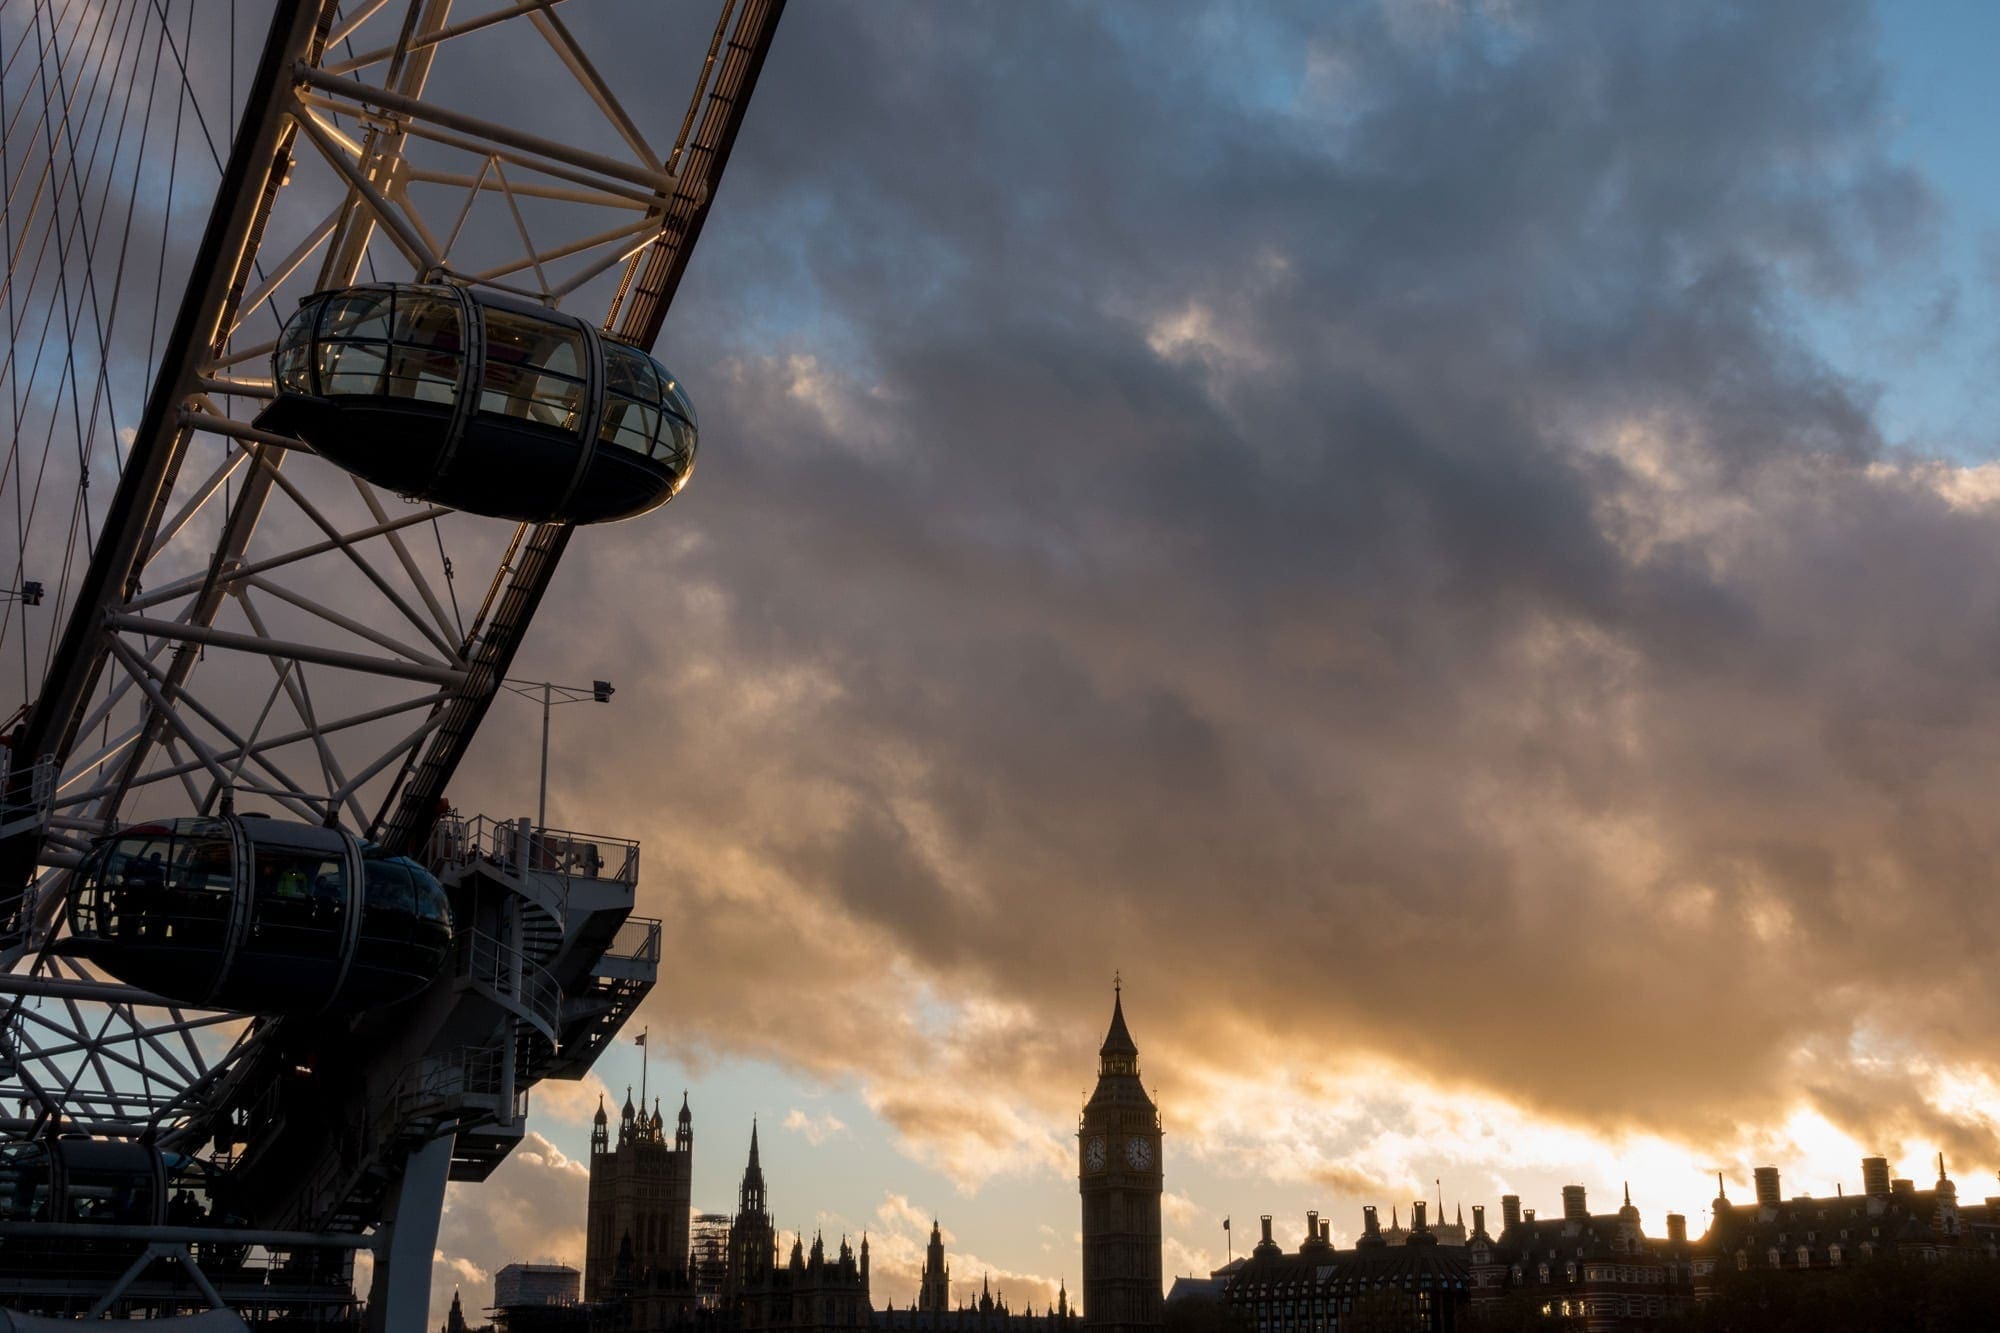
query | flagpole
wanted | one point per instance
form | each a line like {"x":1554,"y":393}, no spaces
{"x":645,"y":1055}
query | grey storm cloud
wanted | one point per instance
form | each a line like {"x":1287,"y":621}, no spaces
{"x":1332,"y":511}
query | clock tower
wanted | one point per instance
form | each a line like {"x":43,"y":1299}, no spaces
{"x":1119,"y":1175}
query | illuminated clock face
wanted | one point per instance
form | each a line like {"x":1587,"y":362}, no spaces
{"x":1093,"y":1154}
{"x":1139,"y":1153}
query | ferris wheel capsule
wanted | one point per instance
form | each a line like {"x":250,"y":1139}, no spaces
{"x":485,"y":404}
{"x":260,"y":915}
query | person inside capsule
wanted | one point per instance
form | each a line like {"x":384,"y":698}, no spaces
{"x":170,"y":908}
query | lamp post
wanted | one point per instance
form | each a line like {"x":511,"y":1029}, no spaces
{"x":598,"y":691}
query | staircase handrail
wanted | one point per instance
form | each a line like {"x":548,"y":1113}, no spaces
{"x":511,"y":975}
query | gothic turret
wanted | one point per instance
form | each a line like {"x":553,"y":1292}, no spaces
{"x":600,"y":1135}
{"x":684,"y":1128}
{"x":934,"y":1287}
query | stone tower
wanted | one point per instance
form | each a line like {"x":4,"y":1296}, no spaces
{"x":753,"y":1242}
{"x":934,"y":1288}
{"x":639,"y":1191}
{"x":1119,"y":1175}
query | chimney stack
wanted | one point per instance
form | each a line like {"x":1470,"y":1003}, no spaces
{"x":1573,"y":1205}
{"x":1478,"y":1219}
{"x":1417,"y":1215}
{"x":1370,"y":1224}
{"x":1312,"y":1226}
{"x":1875,"y":1177}
{"x":1768,"y":1195}
{"x":1267,"y":1229}
{"x":1677,"y":1228}
{"x":1901,"y":1186}
{"x":1527,"y":1215}
{"x":1326,"y":1230}
{"x":1510,"y":1210}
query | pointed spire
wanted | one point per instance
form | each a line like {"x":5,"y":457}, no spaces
{"x":1628,"y":1194}
{"x":686,"y":1115}
{"x":601,"y":1117}
{"x":1118,"y":1041}
{"x":753,"y":1142}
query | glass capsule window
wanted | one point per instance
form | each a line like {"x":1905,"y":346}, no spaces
{"x":24,"y":1182}
{"x":375,"y":343}
{"x":301,"y":898}
{"x":645,"y":410}
{"x":156,"y":885}
{"x":534,"y":370}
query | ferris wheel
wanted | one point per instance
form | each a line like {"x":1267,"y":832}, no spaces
{"x":262,"y":993}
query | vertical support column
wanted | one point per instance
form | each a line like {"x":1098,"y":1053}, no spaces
{"x":399,"y":1294}
{"x":510,"y":1030}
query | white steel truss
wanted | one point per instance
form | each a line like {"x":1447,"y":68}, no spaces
{"x":261,"y":629}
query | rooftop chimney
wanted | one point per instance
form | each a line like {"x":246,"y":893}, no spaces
{"x":1370,"y":1224}
{"x":1417,"y":1215}
{"x":1573,"y":1205}
{"x":1677,"y":1228}
{"x":1312,"y":1224}
{"x":1510,"y":1210}
{"x":1768,"y":1195}
{"x":1478,"y":1219}
{"x":1267,"y":1228}
{"x":1900,"y":1186}
{"x":1326,"y":1230}
{"x":1527,"y":1215}
{"x":1875,"y":1177}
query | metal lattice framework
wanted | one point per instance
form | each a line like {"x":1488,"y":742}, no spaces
{"x":258,"y":628}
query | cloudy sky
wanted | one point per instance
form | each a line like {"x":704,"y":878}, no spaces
{"x":1456,"y":545}
{"x":1453,"y":544}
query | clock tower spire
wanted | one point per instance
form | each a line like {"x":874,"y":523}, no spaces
{"x":1120,"y":1177}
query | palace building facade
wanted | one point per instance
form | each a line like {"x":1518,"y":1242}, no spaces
{"x":640,"y":1190}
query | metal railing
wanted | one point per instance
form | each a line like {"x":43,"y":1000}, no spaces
{"x":25,"y":805}
{"x":517,"y":844}
{"x":638,"y":940}
{"x":442,"y":1083}
{"x":509,"y":975}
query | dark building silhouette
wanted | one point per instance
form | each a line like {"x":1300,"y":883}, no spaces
{"x":934,"y":1288}
{"x":811,"y":1293}
{"x":639,"y":1195}
{"x":1600,"y":1267}
{"x":933,"y":1312}
{"x":1604,"y":1269}
{"x":1420,"y":1284}
{"x":1120,"y":1177}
